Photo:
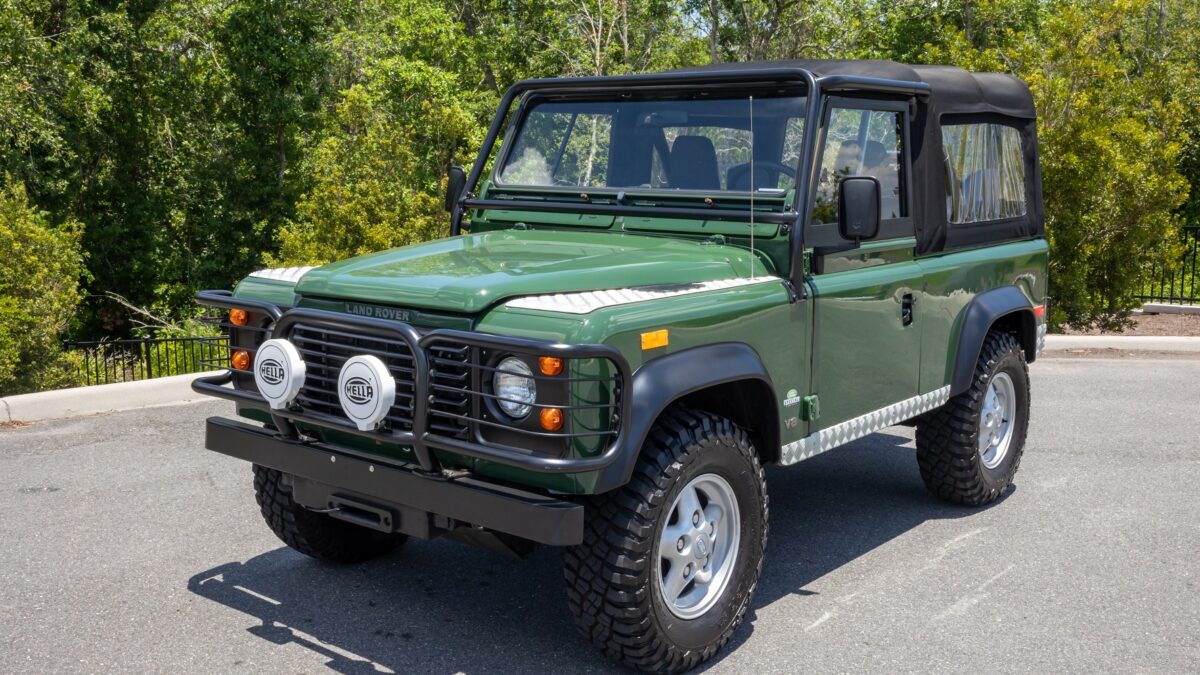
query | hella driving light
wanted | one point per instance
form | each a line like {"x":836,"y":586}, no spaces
{"x":515,"y":389}
{"x":279,"y":372}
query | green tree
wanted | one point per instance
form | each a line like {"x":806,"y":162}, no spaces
{"x":1112,"y":113}
{"x":372,"y":190}
{"x":39,"y":290}
{"x":376,"y":170}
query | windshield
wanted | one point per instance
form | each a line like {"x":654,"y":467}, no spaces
{"x":675,"y":144}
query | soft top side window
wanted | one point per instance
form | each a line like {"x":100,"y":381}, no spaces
{"x":985,"y":170}
{"x":862,"y":142}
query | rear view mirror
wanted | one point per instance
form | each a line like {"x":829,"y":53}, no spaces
{"x":456,"y":180}
{"x":858,"y":208}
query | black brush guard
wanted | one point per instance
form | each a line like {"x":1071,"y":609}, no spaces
{"x":420,"y":438}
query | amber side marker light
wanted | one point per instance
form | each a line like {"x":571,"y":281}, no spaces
{"x":238,"y":317}
{"x":551,"y":419}
{"x":241,"y":360}
{"x":655,"y":339}
{"x":550,"y":365}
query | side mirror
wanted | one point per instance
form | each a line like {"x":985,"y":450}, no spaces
{"x":858,"y":208}
{"x":456,"y":180}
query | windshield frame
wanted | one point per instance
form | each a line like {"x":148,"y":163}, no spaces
{"x":815,"y":91}
{"x":683,"y":80}
{"x":530,"y":101}
{"x":790,"y":220}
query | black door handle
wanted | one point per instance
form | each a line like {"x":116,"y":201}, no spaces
{"x":906,"y":310}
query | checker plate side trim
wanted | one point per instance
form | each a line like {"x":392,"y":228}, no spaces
{"x":853,"y":429}
{"x":589,"y":301}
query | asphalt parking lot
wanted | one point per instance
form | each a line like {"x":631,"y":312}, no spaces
{"x":127,"y":547}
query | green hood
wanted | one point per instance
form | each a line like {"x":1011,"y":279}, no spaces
{"x":469,"y":273}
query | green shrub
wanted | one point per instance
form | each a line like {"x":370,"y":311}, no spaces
{"x":40,"y":272}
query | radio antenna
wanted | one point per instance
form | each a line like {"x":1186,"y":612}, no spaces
{"x":752,"y":187}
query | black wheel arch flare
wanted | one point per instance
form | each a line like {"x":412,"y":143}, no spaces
{"x":1006,"y":306}
{"x":670,"y":379}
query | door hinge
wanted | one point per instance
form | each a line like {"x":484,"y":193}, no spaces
{"x":810,"y":408}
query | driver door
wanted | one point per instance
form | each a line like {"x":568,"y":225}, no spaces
{"x":866,"y":342}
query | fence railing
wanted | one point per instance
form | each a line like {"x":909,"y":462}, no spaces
{"x":109,"y":361}
{"x":1181,"y":285}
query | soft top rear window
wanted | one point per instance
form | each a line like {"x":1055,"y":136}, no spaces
{"x":985,"y":173}
{"x":674,"y":144}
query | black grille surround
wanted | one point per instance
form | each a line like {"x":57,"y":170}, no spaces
{"x":437,"y":390}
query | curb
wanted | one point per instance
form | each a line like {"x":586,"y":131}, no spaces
{"x":1132,"y":343}
{"x":1169,"y":308}
{"x":48,"y":405}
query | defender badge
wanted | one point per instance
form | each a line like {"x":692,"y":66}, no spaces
{"x":366,"y":391}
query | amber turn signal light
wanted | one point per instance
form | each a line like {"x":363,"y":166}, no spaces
{"x":550,"y":365}
{"x":551,"y":419}
{"x":238,"y":317}
{"x":241,"y":360}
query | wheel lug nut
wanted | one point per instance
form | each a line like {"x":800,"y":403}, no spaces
{"x":679,"y":544}
{"x":687,"y":571}
{"x":696,"y":518}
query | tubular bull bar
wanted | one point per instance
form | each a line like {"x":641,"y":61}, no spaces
{"x":421,"y":438}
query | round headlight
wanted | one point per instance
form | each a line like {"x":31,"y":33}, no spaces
{"x":514,"y":387}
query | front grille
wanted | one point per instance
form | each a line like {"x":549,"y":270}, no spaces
{"x":450,"y":386}
{"x":325,"y":350}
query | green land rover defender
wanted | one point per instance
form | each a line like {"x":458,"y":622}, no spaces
{"x":655,"y":286}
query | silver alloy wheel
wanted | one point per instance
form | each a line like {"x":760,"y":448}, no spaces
{"x":698,"y":546}
{"x":996,"y":420}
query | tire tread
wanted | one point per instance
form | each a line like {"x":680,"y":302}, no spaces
{"x":947,"y":451}
{"x":612,"y":608}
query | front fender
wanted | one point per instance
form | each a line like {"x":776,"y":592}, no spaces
{"x":665,"y":380}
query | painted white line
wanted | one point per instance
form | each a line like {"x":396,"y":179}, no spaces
{"x":824,"y":617}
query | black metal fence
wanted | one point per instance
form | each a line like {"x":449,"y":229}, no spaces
{"x":108,"y":361}
{"x":1181,"y":285}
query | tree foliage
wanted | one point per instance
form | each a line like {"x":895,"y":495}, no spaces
{"x":39,"y":289}
{"x":195,"y":140}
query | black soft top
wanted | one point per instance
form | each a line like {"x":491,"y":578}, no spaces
{"x":952,"y":95}
{"x":951,"y":89}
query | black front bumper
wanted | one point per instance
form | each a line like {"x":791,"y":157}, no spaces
{"x":404,"y":493}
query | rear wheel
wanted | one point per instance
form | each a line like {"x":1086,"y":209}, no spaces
{"x":315,"y":534}
{"x":969,"y":449}
{"x":670,"y":561}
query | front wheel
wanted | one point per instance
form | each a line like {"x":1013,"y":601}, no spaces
{"x":969,"y":449}
{"x":670,"y":561}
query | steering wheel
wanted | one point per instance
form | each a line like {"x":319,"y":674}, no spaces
{"x":773,"y":169}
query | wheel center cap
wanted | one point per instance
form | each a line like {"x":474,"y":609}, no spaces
{"x":701,"y":547}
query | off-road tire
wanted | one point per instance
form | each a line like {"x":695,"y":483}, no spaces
{"x":610,"y":588}
{"x":947,"y":438}
{"x":315,"y":534}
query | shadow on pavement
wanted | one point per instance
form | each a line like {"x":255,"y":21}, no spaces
{"x":443,"y":607}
